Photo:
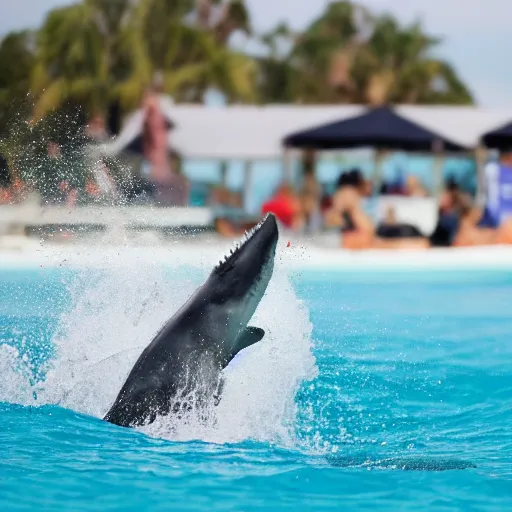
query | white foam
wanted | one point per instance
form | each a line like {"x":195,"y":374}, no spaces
{"x":115,"y":316}
{"x":15,"y":385}
{"x":110,"y":322}
{"x":258,"y":397}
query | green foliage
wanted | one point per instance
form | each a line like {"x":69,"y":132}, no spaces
{"x":96,"y":52}
{"x":16,"y":63}
{"x":348,"y":55}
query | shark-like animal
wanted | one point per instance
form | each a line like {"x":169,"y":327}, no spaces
{"x":181,"y":368}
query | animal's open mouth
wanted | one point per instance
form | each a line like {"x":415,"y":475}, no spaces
{"x":240,"y":244}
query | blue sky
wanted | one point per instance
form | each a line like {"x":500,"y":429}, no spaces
{"x":475,"y":32}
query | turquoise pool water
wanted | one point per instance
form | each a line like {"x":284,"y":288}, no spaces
{"x":358,"y":373}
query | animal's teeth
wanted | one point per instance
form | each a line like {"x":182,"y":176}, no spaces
{"x":244,"y":239}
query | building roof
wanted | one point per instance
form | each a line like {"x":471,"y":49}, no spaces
{"x":254,"y":132}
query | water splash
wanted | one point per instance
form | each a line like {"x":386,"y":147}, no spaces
{"x":16,"y":384}
{"x":261,"y":382}
{"x":117,"y":309}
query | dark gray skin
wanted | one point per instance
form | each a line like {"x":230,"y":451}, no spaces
{"x":181,"y":368}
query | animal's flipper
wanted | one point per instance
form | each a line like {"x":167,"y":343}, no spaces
{"x":249,"y":336}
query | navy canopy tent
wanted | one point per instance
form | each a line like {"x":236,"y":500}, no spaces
{"x":380,"y":128}
{"x":500,"y":139}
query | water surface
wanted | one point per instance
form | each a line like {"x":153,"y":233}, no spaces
{"x":356,"y":369}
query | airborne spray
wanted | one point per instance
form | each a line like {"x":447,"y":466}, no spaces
{"x":118,"y":301}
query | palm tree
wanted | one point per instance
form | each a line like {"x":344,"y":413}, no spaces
{"x":99,"y":51}
{"x":16,"y":62}
{"x":221,"y":18}
{"x":186,"y":49}
{"x":276,"y":74}
{"x":403,"y":70}
{"x":348,"y":55}
{"x":92,"y":53}
{"x":326,"y":50}
{"x":70,"y":62}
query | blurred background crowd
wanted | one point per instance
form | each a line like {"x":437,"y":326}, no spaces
{"x":69,"y":89}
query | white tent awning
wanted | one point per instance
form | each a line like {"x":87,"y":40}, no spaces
{"x":256,"y":133}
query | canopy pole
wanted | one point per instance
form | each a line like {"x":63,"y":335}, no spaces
{"x":248,"y":170}
{"x":377,"y":172}
{"x":223,"y":173}
{"x":287,"y":168}
{"x":480,"y":159}
{"x":438,"y":175}
{"x":438,"y":150}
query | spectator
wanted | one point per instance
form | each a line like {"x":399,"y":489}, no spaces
{"x":175,"y":191}
{"x":51,"y":179}
{"x":310,"y":197}
{"x":358,"y":231}
{"x":171,"y":188}
{"x":414,"y":188}
{"x":285,"y":206}
{"x":95,"y":130}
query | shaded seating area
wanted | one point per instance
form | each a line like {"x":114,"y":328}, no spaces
{"x":382,"y":129}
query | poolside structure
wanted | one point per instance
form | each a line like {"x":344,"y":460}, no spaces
{"x":500,"y":138}
{"x":250,"y":134}
{"x":382,"y":129}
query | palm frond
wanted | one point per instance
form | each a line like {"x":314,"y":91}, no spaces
{"x":183,"y":76}
{"x":51,"y":98}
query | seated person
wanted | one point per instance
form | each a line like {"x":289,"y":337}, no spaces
{"x":230,"y":219}
{"x":358,"y":231}
{"x":285,"y":206}
{"x":452,"y":202}
{"x":414,"y":188}
{"x":471,"y":234}
{"x":461,"y":224}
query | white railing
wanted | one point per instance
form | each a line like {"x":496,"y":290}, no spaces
{"x":420,"y":212}
{"x":14,"y":218}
